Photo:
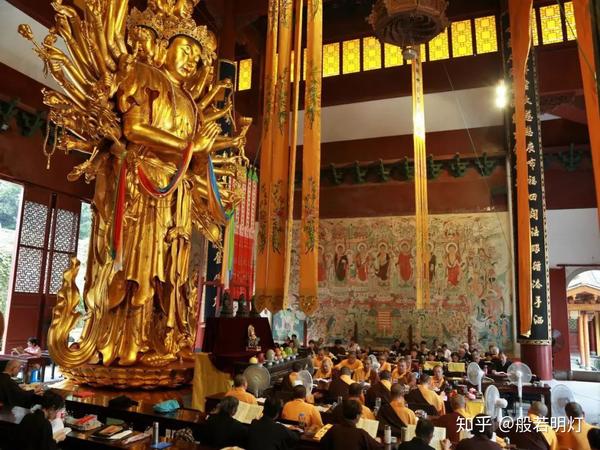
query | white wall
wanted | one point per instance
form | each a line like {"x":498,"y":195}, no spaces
{"x":573,"y":236}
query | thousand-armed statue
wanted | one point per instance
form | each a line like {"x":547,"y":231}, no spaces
{"x":139,"y":96}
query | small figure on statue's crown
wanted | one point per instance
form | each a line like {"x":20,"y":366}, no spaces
{"x":253,"y":339}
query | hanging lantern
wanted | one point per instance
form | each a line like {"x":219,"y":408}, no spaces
{"x":408,"y":23}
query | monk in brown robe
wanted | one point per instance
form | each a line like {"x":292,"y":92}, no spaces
{"x":396,"y":413}
{"x":381,"y":390}
{"x":450,"y":421}
{"x":423,"y":396}
{"x":339,"y":386}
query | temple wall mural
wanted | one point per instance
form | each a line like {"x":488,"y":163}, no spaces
{"x":366,"y":281}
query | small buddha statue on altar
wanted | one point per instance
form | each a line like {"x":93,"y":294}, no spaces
{"x":253,"y":339}
{"x":243,"y":310}
{"x":226,"y":305}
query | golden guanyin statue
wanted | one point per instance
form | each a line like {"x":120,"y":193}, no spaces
{"x":139,"y":97}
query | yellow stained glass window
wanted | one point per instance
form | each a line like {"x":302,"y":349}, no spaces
{"x":392,"y":55}
{"x":351,"y":56}
{"x":331,"y":59}
{"x":462,"y":39}
{"x":551,"y":24}
{"x":570,"y":16}
{"x":438,"y":47}
{"x":534,"y":28}
{"x":486,"y":37}
{"x":371,"y":53}
{"x":245,"y":75}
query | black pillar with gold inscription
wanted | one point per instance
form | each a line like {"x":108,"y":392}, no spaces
{"x":536,"y":349}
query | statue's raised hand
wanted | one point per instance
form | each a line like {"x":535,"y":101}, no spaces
{"x":205,"y":138}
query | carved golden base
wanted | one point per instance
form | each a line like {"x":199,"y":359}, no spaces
{"x":132,"y":377}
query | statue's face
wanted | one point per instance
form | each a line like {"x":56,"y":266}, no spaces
{"x":182,"y":59}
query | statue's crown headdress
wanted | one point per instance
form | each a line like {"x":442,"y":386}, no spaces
{"x":171,"y":18}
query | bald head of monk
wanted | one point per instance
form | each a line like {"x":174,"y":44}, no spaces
{"x":574,"y":410}
{"x":13,"y":367}
{"x":457,"y":402}
{"x":398,"y":391}
{"x":539,"y":409}
{"x":425,"y":380}
{"x":345,"y":371}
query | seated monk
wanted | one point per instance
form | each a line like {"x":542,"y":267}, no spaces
{"x":384,"y":364}
{"x":298,"y":405}
{"x":396,"y":413}
{"x":240,"y":384}
{"x":450,"y":421}
{"x":345,"y":435}
{"x":321,"y":358}
{"x":401,"y":372}
{"x":594,"y":438}
{"x":11,"y":393}
{"x":438,"y":382}
{"x":483,"y":431}
{"x":576,"y":438}
{"x":351,"y":362}
{"x":381,"y":390}
{"x":355,"y":392}
{"x":424,"y":394}
{"x":538,"y":414}
{"x":324,"y":371}
{"x":291,"y":380}
{"x":339,"y":386}
{"x":366,"y":374}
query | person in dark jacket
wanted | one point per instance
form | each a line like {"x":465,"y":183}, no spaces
{"x":10,"y":393}
{"x":423,"y":437}
{"x":222,"y":430}
{"x":345,"y":435}
{"x":35,"y":430}
{"x":266,"y":434}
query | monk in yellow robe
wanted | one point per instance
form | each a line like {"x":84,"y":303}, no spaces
{"x":577,"y":437}
{"x":537,"y":414}
{"x":240,"y":384}
{"x":401,"y":372}
{"x":366,"y":374}
{"x":351,"y":362}
{"x":355,"y":392}
{"x":438,"y":382}
{"x":298,"y":407}
{"x":321,"y":358}
{"x":396,"y":413}
{"x":324,"y":372}
{"x":429,"y":394}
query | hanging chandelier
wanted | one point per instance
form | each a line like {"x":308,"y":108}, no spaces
{"x":408,"y":23}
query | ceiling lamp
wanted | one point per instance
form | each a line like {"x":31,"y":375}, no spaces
{"x":408,"y":23}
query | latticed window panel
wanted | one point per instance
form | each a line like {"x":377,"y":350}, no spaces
{"x":438,"y":47}
{"x":392,"y":55}
{"x":570,"y":18}
{"x":245,"y":74}
{"x":29,"y":270}
{"x":462,"y":39}
{"x":534,"y":28}
{"x":551,"y":22}
{"x":351,"y":56}
{"x":304,"y":53}
{"x":33,"y":227}
{"x":573,"y":324}
{"x":331,"y":59}
{"x":486,"y":37}
{"x":371,"y":53}
{"x":60,"y":263}
{"x":65,"y":234}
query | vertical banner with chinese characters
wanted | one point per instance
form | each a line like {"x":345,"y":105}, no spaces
{"x":311,"y":160}
{"x":539,"y":324}
{"x":263,"y":238}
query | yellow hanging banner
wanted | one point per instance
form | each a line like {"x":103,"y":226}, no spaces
{"x":311,"y":160}
{"x":263,"y":241}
